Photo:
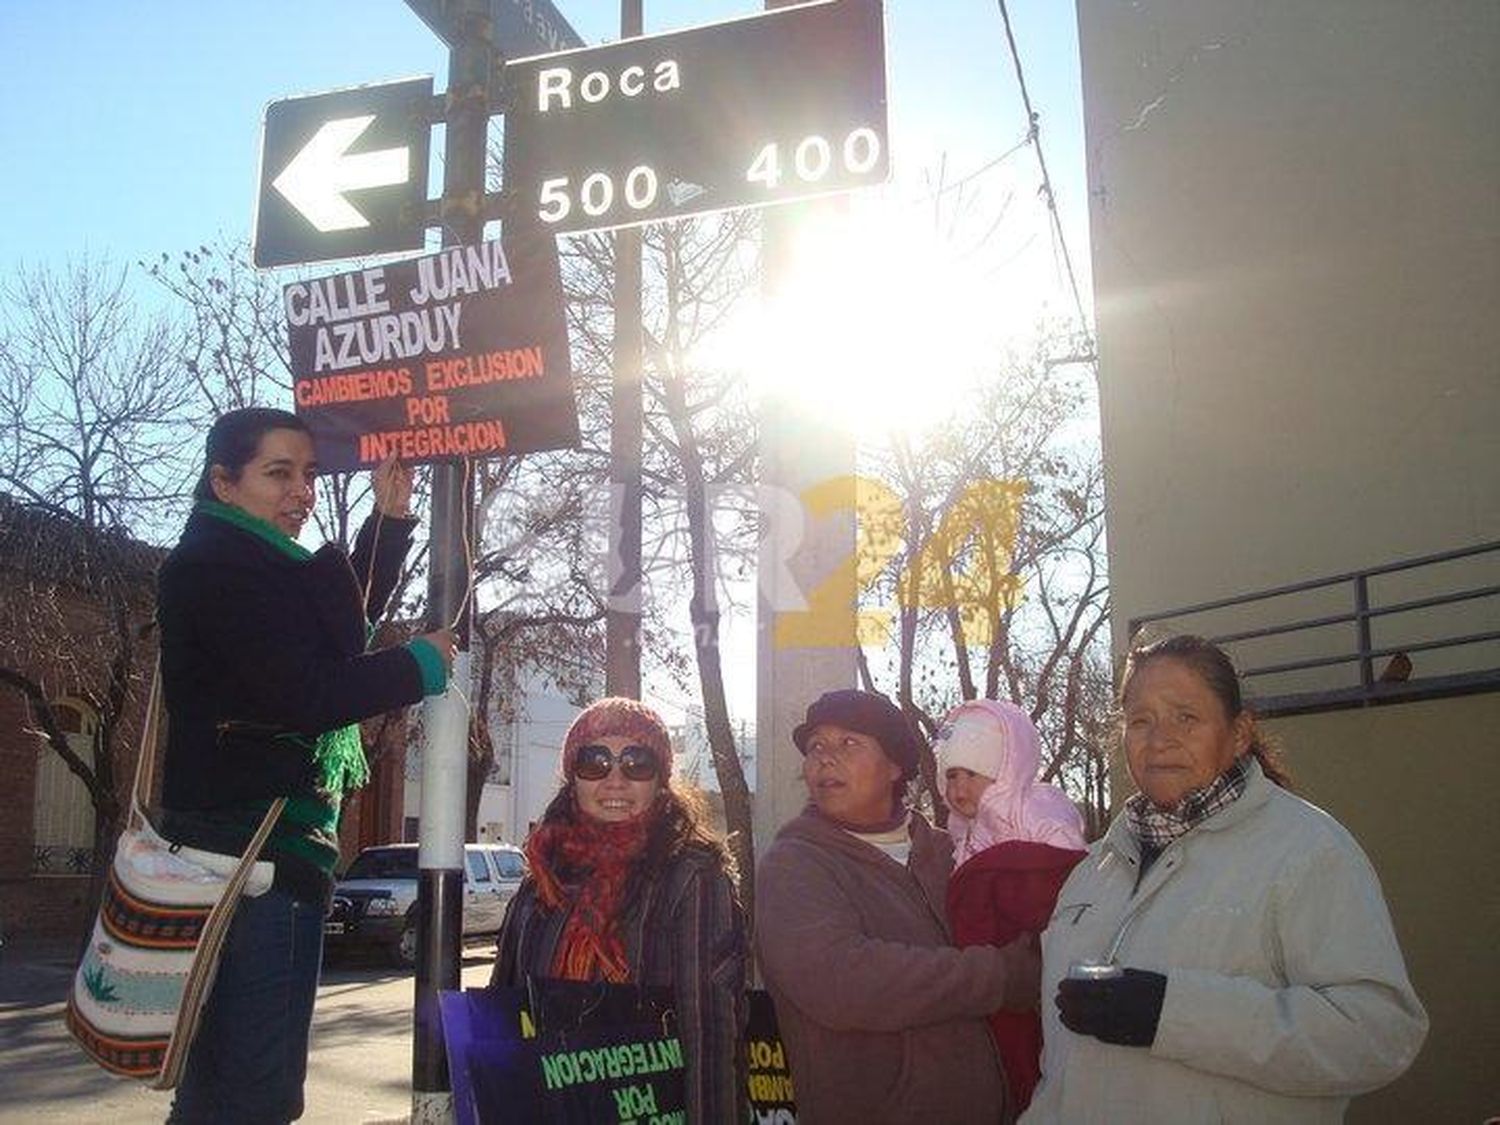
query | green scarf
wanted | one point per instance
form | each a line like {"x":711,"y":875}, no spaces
{"x":339,"y":754}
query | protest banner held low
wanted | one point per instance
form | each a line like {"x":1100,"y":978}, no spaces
{"x":564,"y":1053}
{"x":463,"y":353}
{"x":772,"y":1096}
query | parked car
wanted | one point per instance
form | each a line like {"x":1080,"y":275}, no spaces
{"x":375,"y":903}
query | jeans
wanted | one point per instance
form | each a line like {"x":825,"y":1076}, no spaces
{"x":249,"y":1059}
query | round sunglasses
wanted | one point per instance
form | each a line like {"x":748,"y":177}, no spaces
{"x":637,"y":763}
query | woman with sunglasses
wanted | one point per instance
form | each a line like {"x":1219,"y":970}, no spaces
{"x":626,"y":884}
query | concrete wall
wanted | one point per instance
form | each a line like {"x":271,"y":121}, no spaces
{"x":1416,"y":783}
{"x":1295,"y":226}
{"x":1296,"y":243}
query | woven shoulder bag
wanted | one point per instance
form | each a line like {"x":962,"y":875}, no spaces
{"x":150,"y":962}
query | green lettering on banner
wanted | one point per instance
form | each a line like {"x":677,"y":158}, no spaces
{"x":566,"y":1068}
{"x":622,"y":1105}
{"x":550,"y":1073}
{"x":635,"y":1104}
{"x":632,"y":1102}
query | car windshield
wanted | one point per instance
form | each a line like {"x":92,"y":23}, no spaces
{"x":384,"y":863}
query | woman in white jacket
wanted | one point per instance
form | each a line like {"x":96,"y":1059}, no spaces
{"x":1261,"y":977}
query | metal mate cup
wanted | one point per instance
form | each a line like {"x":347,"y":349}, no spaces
{"x":1094,"y":970}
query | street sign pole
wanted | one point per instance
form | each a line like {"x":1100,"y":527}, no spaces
{"x":440,"y":857}
{"x":622,"y":622}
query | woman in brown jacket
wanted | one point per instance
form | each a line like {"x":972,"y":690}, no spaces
{"x":883,"y":1019}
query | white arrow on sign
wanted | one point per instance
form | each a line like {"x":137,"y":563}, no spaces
{"x":315,"y":180}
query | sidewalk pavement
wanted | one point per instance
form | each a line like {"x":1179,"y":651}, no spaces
{"x":359,"y":1070}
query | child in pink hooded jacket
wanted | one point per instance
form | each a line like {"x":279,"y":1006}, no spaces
{"x":1015,"y":840}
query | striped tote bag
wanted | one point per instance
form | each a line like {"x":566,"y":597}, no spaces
{"x":150,"y":962}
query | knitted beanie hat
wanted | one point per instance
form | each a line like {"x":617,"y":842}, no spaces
{"x":972,"y":739}
{"x":616,"y":715}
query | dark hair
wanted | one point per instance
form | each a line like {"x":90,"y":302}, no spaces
{"x":1212,"y":665}
{"x":901,"y":793}
{"x":680,"y":822}
{"x":234,"y":439}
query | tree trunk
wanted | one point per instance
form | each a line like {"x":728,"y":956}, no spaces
{"x":704,"y":613}
{"x":480,"y":761}
{"x":727,"y":768}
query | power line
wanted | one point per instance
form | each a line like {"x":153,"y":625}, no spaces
{"x":1034,"y":135}
{"x":986,"y":166}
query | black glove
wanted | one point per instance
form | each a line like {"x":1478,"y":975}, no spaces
{"x":1123,"y":1011}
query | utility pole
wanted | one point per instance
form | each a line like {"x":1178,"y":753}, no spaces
{"x":440,"y":857}
{"x":622,"y":622}
{"x":797,"y":452}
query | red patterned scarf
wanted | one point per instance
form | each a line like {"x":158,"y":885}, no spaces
{"x":600,"y":855}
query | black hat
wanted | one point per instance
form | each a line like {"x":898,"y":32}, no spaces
{"x":866,"y":712}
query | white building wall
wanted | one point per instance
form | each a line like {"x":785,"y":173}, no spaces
{"x":507,"y":811}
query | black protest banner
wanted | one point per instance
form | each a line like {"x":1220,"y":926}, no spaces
{"x":772,"y":1099}
{"x":463,"y":353}
{"x":564,"y":1053}
{"x":625,"y":1075}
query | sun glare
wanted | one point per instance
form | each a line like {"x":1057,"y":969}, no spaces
{"x":880,"y":325}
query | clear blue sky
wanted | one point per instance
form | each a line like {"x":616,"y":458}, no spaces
{"x":130,"y":127}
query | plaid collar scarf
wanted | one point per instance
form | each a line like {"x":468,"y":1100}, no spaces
{"x":1156,"y":827}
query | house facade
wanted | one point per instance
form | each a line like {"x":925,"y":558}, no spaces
{"x":75,"y":608}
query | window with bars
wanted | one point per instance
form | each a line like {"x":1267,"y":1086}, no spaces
{"x":63,"y":816}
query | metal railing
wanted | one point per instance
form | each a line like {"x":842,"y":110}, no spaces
{"x":1477,"y":670}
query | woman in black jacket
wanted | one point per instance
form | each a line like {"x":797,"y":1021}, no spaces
{"x":266,"y":676}
{"x":626,"y":884}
